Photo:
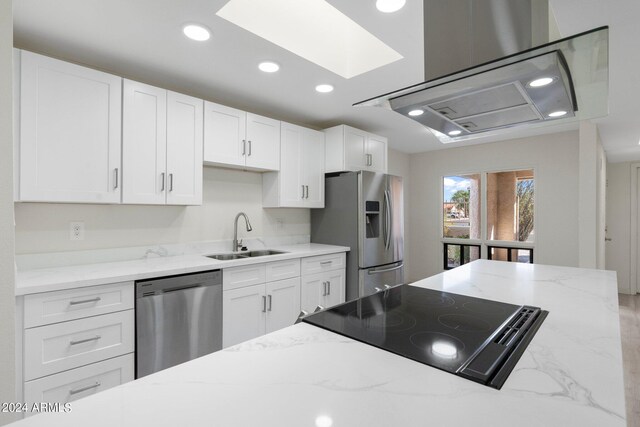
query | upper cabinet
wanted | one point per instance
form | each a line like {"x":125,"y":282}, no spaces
{"x":239,"y":139}
{"x":161,"y":146}
{"x":70,"y":123}
{"x":184,"y":149}
{"x":300,"y":181}
{"x":351,"y":149}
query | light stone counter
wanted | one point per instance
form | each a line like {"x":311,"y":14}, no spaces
{"x":73,"y":276}
{"x":570,"y":375}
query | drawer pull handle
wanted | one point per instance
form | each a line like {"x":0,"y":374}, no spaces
{"x":85,"y":301}
{"x":96,"y":338}
{"x":326,"y":262}
{"x":81,"y":389}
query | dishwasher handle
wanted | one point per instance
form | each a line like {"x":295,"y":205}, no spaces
{"x":151,"y":287}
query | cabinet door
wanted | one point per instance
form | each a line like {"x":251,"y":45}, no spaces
{"x":263,"y":142}
{"x":313,"y":168}
{"x":377,"y":151}
{"x":184,"y":149}
{"x":292,"y":191}
{"x":311,"y":292}
{"x":70,"y":132}
{"x":355,"y":142}
{"x":283,"y":303}
{"x":243,"y":314}
{"x":144,"y":143}
{"x":224,"y":134}
{"x":335,"y":288}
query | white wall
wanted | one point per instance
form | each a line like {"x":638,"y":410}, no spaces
{"x":601,"y":207}
{"x":399,"y":164}
{"x":589,"y":211}
{"x":553,"y":157}
{"x":44,"y":227}
{"x":7,"y":269}
{"x":619,"y":223}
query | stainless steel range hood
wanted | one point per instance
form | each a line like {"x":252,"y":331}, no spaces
{"x":562,"y":81}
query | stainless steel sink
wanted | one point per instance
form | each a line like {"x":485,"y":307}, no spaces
{"x":263,"y":252}
{"x":243,"y":255}
{"x":226,"y":257}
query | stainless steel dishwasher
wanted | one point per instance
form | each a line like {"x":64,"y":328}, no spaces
{"x":178,"y":318}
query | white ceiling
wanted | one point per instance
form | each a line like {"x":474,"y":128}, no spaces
{"x":142,"y":40}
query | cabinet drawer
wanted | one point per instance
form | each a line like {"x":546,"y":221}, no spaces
{"x":54,"y":348}
{"x":53,"y":307}
{"x":239,"y":277}
{"x":318,"y":264}
{"x":281,"y":270}
{"x":80,"y":382}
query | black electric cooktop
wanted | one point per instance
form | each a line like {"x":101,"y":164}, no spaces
{"x":471,"y":337}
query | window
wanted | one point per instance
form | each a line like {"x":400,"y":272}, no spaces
{"x":504,"y":230}
{"x":457,"y":255}
{"x":461,"y":206}
{"x":510,"y":206}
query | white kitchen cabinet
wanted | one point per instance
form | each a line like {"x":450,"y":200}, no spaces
{"x":144,"y":143}
{"x":184,"y":149}
{"x":76,"y":342}
{"x":325,"y":289}
{"x":283,"y":303}
{"x":162,"y":146}
{"x":252,"y":311}
{"x":70,"y":132}
{"x":69,"y":386}
{"x":243,"y":314}
{"x":323,"y":281}
{"x":351,"y":149}
{"x":235,"y":138}
{"x":300,"y":181}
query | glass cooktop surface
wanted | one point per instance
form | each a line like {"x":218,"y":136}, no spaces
{"x":437,"y":328}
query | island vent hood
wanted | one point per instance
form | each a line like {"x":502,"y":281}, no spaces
{"x":501,"y":83}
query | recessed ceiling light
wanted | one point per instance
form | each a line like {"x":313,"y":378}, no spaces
{"x":455,"y":132}
{"x":416,"y":112}
{"x":559,"y":113}
{"x":324,"y":88}
{"x":540,"y":82}
{"x":268,"y":67}
{"x":196,"y":32}
{"x":388,"y":6}
{"x":324,"y":421}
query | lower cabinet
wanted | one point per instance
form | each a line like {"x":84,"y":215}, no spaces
{"x":77,"y":342}
{"x":252,"y":311}
{"x":81,"y":382}
{"x":322,"y":289}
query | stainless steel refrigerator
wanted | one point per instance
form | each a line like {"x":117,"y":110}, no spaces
{"x":364,"y":210}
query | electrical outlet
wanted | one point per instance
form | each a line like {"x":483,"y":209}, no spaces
{"x":76,"y":230}
{"x":279,"y":223}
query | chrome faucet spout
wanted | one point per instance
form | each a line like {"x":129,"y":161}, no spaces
{"x":238,"y":244}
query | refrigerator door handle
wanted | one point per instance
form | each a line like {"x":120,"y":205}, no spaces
{"x":385,"y":270}
{"x":387,"y":220}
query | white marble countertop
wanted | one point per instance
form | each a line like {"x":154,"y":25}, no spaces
{"x":74,"y":276}
{"x":569,"y":375}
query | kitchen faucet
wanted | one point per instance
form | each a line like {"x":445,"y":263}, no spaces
{"x":238,"y":244}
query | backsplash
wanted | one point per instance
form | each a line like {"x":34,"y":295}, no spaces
{"x":44,"y":227}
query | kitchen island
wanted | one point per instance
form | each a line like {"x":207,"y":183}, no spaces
{"x":570,"y":374}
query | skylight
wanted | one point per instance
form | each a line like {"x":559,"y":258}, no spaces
{"x":314,"y":30}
